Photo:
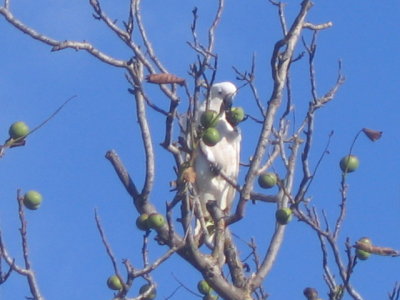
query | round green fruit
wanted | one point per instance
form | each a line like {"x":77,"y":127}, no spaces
{"x":114,"y":283}
{"x":362,"y":254}
{"x":236,"y":115}
{"x":283,"y":215}
{"x":349,"y":163}
{"x":310,"y":293}
{"x":156,"y":221}
{"x":211,"y":136}
{"x":204,"y":287}
{"x":32,"y":199}
{"x":267,"y":180}
{"x":142,"y":222}
{"x":144,"y":288}
{"x":365,"y":240}
{"x":209,"y":118}
{"x":18,"y":130}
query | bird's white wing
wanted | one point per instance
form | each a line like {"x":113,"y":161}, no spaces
{"x":224,"y":155}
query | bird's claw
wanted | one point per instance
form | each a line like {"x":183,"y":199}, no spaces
{"x":215,"y":169}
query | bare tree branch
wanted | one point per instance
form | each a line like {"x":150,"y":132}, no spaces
{"x":280,"y":63}
{"x":123,"y":174}
{"x":318,"y":27}
{"x":395,"y":294}
{"x":111,"y":255}
{"x":146,"y":136}
{"x":26,"y":271}
{"x":60,"y":45}
{"x":281,"y":142}
{"x":145,"y":39}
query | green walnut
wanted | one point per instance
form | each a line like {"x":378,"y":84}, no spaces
{"x":209,"y":118}
{"x":156,"y":221}
{"x":142,"y":222}
{"x":310,"y":293}
{"x":32,"y":199}
{"x":18,"y":130}
{"x":204,"y":287}
{"x":362,"y":254}
{"x":211,"y":136}
{"x":365,"y":240}
{"x":144,"y":288}
{"x":283,"y":215}
{"x":114,"y":283}
{"x":349,"y":163}
{"x":267,"y":180}
{"x":235,"y":116}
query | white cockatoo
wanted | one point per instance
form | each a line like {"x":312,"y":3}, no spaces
{"x":225,"y":155}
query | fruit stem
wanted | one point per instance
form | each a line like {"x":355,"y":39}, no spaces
{"x":354,"y":141}
{"x":351,"y":150}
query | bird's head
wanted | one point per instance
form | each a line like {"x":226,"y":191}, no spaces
{"x":225,"y":91}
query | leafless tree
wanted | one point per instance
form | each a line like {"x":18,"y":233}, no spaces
{"x":278,"y":140}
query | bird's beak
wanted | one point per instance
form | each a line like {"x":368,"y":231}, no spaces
{"x":228,"y":99}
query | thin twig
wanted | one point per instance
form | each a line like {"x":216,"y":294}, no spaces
{"x":21,"y":141}
{"x":146,"y":41}
{"x":53,"y":114}
{"x":109,"y":251}
{"x":185,"y":287}
{"x":152,"y":266}
{"x":29,"y":273}
{"x":124,"y":35}
{"x":281,"y":13}
{"x":395,"y":294}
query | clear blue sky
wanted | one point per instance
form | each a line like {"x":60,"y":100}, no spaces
{"x":65,"y":159}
